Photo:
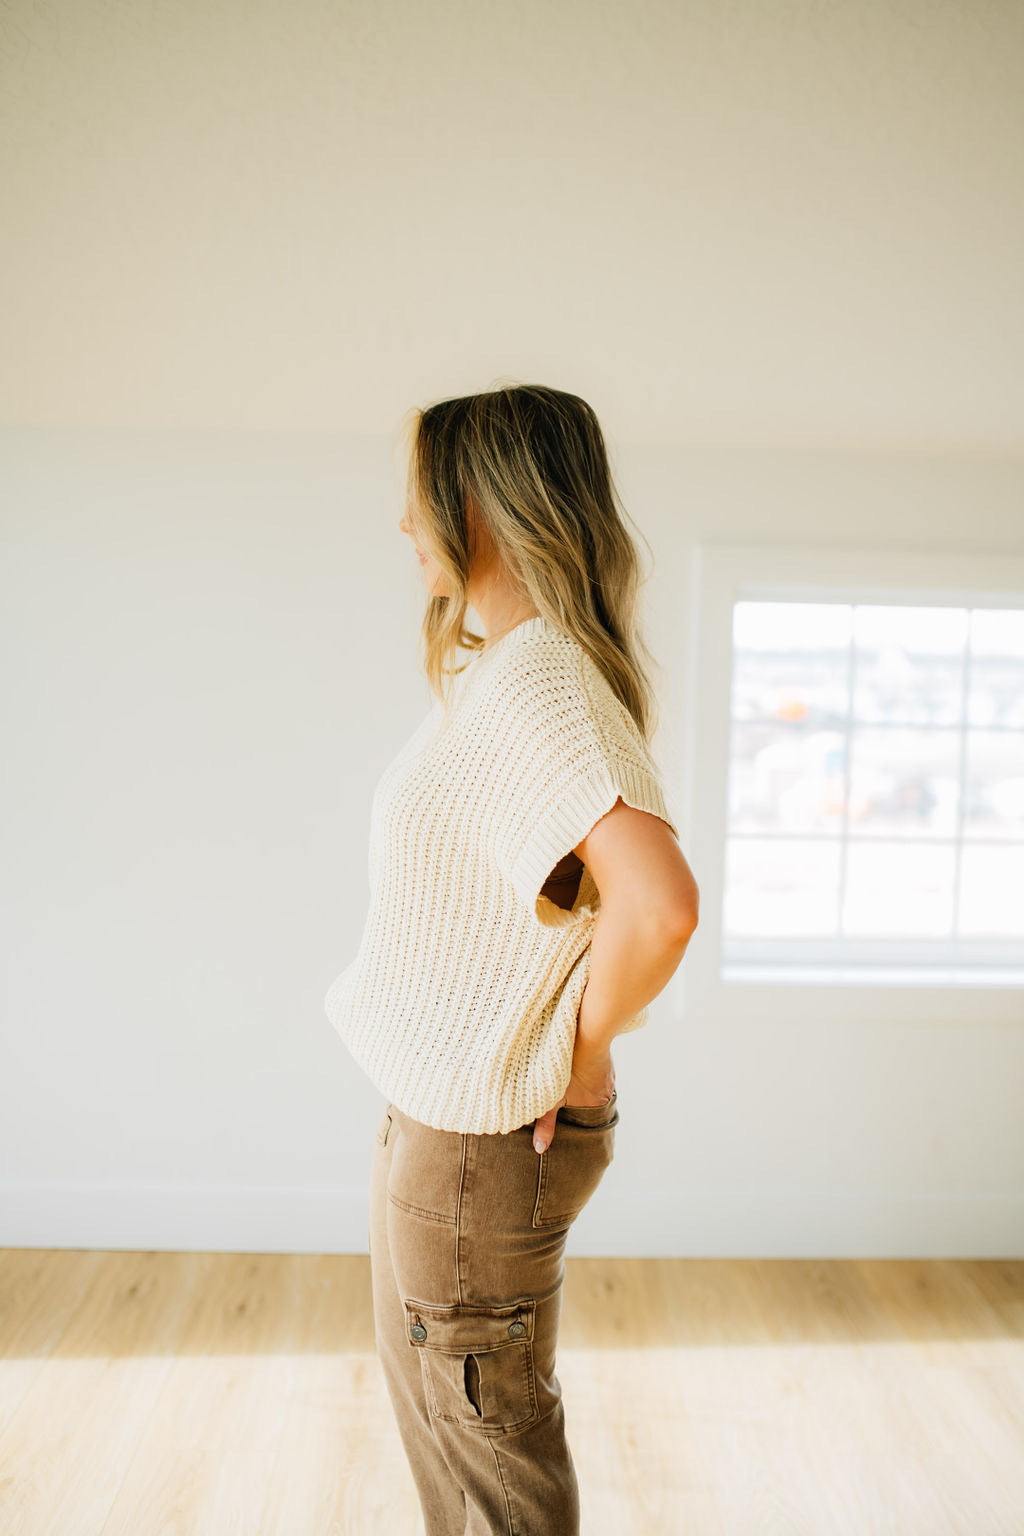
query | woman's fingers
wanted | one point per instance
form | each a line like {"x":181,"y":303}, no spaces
{"x":544,"y":1129}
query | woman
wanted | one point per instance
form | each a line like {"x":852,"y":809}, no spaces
{"x":528,"y":899}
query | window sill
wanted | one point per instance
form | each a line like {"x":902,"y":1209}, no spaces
{"x":872,"y":976}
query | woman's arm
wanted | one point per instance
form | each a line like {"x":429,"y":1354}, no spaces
{"x":649,"y":910}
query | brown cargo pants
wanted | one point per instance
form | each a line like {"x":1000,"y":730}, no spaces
{"x":467,"y":1252}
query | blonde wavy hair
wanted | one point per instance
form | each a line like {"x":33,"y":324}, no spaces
{"x":532,"y":460}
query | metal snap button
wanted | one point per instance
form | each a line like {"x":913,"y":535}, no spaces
{"x":516,"y":1329}
{"x":418,"y":1331}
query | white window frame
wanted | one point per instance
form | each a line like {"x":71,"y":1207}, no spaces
{"x":721,"y":576}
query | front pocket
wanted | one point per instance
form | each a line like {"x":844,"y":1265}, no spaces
{"x":425,"y":1176}
{"x":383,"y":1128}
{"x":478,"y":1363}
{"x":574,"y":1164}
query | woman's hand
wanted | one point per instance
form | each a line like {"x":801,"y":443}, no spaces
{"x":592,"y":1082}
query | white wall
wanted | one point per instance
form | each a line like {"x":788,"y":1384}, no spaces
{"x":209,"y":654}
{"x":779,"y":251}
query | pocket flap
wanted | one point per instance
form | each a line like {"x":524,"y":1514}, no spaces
{"x":467,"y":1329}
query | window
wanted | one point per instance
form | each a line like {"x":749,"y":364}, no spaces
{"x":872,"y":811}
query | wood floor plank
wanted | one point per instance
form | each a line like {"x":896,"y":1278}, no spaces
{"x":150,"y":1394}
{"x":67,"y":1449}
{"x":39,"y":1291}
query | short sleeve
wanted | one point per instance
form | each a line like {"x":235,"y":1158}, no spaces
{"x":573,"y":750}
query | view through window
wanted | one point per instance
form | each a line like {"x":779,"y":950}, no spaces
{"x":876,"y":788}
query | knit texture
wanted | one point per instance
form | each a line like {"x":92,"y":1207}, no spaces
{"x":461,"y":1003}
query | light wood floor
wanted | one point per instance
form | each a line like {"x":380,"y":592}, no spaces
{"x":179,"y":1394}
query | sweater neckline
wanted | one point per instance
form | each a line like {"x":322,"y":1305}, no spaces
{"x":523,"y":630}
{"x":479,"y":663}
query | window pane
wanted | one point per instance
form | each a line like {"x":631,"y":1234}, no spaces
{"x":992,"y":891}
{"x":875,"y":795}
{"x":784,"y":886}
{"x":790,"y":661}
{"x":995,"y":784}
{"x":997,"y":667}
{"x":894,"y":889}
{"x":905,"y":782}
{"x":785,"y":777}
{"x":909,"y":664}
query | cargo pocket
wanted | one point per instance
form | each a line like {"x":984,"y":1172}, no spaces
{"x":478,"y":1363}
{"x":574,"y":1164}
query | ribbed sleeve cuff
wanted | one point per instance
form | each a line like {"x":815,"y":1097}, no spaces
{"x":558,"y":830}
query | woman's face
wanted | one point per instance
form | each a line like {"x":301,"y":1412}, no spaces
{"x":433,"y":575}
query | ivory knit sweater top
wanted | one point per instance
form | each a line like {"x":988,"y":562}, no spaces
{"x":461,"y":1002}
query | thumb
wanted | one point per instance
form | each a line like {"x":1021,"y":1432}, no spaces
{"x":544,"y":1129}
